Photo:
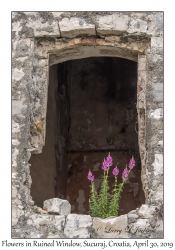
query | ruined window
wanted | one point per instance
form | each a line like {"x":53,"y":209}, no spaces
{"x":91,"y":111}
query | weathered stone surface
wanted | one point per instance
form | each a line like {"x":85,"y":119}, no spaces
{"x":159,"y":225}
{"x":21,"y":49}
{"x":16,"y":213}
{"x":111,"y":227}
{"x":160,"y":143}
{"x":141,"y":100}
{"x":14,"y":191}
{"x":44,"y":29}
{"x":141,"y":228}
{"x":155,"y":27}
{"x":15,"y":127}
{"x":156,"y":114}
{"x":112,"y":25}
{"x":17,"y":107}
{"x":157,"y":42}
{"x":60,"y":222}
{"x":15,"y":142}
{"x":156,"y":196}
{"x":74,"y":27}
{"x":15,"y":153}
{"x":77,"y":226}
{"x":53,"y":236}
{"x":157,"y":91}
{"x":141,"y":223}
{"x":17,"y":74}
{"x":57,"y":206}
{"x":41,"y":220}
{"x":44,"y":220}
{"x":158,"y":164}
{"x":132,"y":218}
{"x":142,"y":63}
{"x":146,"y":211}
{"x":16,"y":26}
{"x":137,"y":26}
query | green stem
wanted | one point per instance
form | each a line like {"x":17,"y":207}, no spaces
{"x":93,"y":202}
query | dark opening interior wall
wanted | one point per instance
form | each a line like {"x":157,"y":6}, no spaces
{"x":43,"y":166}
{"x":92,"y":109}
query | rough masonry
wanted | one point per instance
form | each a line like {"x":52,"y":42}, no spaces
{"x":42,"y":39}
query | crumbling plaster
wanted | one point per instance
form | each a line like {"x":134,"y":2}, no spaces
{"x":41,"y":39}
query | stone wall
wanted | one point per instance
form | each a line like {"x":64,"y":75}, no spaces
{"x":41,"y":39}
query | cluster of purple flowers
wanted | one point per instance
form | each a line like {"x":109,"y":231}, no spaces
{"x":131,"y":163}
{"x":115,"y":171}
{"x":90,"y":176}
{"x":108,"y":162}
{"x":125,"y":173}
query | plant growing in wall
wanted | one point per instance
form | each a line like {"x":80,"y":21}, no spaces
{"x":105,"y":204}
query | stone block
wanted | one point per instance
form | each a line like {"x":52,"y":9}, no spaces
{"x":49,"y":220}
{"x":44,"y":29}
{"x":159,"y":225}
{"x":160,"y":143}
{"x":15,"y":142}
{"x":17,"y":107}
{"x":141,"y":228}
{"x":112,"y":25}
{"x":146,"y":211}
{"x":77,"y":226}
{"x":157,"y":42}
{"x":157,"y":195}
{"x":22,"y":59}
{"x":59,"y":222}
{"x":57,"y":206}
{"x":17,"y":74}
{"x":21,"y":49}
{"x":141,"y":223}
{"x":137,"y":26}
{"x":133,"y":212}
{"x":29,"y":222}
{"x":112,"y":227}
{"x":157,"y":92}
{"x":155,"y":27}
{"x":14,"y":191}
{"x":16,"y":213}
{"x":141,"y":100}
{"x":16,"y":26}
{"x":132,"y":218}
{"x":40,"y":220}
{"x":74,"y":27}
{"x":141,"y":63}
{"x":156,"y":114}
{"x":15,"y":153}
{"x":158,"y":164}
{"x":34,"y":141}
{"x":15,"y":127}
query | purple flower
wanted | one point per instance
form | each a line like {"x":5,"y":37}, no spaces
{"x":90,"y":176}
{"x":125,"y":173}
{"x":105,"y":165}
{"x":131,"y":163}
{"x":115,"y":171}
{"x":109,"y":160}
